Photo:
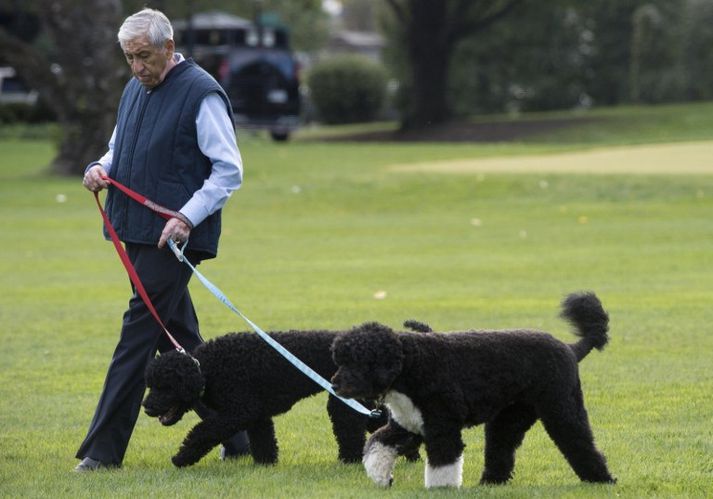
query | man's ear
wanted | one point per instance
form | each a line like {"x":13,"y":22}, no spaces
{"x":170,"y":48}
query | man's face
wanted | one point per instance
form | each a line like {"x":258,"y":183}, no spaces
{"x":149,"y":64}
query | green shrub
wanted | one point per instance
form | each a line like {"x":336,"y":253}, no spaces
{"x":18,"y":112}
{"x":347,"y":89}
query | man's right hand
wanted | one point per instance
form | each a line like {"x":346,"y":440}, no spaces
{"x":93,"y":179}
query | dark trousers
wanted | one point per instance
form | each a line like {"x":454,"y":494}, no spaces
{"x":166,"y":282}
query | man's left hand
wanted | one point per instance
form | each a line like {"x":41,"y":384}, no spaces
{"x":175,"y":229}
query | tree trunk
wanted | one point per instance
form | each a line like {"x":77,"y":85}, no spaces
{"x":431,"y":31}
{"x":80,"y":77}
{"x":429,"y":52}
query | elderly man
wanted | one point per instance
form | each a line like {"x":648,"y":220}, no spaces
{"x":174,"y":142}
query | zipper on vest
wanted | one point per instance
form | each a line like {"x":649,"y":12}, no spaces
{"x":142,"y":111}
{"x":140,"y":119}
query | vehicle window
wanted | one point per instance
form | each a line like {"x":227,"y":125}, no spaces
{"x":283,"y":62}
{"x":212,"y":37}
{"x":13,"y":85}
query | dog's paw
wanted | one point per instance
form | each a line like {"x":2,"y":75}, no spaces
{"x":409,"y":448}
{"x":384,"y":481}
{"x":378,"y":462}
{"x":492,"y":480}
{"x":180,"y":461}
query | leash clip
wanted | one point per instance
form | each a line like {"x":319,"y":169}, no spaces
{"x":182,"y":351}
{"x":375,"y":414}
{"x":176,"y":251}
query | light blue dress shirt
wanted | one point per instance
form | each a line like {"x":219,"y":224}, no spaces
{"x":216,"y":140}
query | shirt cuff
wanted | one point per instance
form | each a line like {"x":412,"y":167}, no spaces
{"x":93,"y":163}
{"x":183,"y":218}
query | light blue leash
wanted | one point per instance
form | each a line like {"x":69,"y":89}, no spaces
{"x":308,"y":371}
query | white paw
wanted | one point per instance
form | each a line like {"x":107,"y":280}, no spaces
{"x":378,"y":462}
{"x":449,"y":475}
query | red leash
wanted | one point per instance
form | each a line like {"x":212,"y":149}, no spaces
{"x":162,"y":211}
{"x":124,"y":257}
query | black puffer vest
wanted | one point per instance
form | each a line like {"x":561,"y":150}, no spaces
{"x":156,"y":154}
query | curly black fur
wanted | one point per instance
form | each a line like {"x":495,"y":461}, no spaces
{"x":417,"y":326}
{"x":585,"y":312}
{"x":244,"y":383}
{"x":437,"y":384}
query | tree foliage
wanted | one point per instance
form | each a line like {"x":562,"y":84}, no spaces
{"x":696,"y":29}
{"x":535,"y":60}
{"x":654,"y":72}
{"x":561,"y":54}
{"x":359,"y":15}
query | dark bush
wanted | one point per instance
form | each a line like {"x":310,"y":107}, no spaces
{"x":17,"y":112}
{"x":347,"y":89}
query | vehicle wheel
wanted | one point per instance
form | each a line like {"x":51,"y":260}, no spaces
{"x":279,"y":136}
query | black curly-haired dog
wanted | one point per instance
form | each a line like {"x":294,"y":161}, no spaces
{"x":436,"y":384}
{"x":242,"y":383}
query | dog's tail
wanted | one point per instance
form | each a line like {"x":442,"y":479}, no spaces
{"x":585,"y":312}
{"x":417,"y":326}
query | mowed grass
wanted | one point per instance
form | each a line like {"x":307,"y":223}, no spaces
{"x":317,"y":233}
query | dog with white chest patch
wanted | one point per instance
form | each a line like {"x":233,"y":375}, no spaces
{"x":437,"y":384}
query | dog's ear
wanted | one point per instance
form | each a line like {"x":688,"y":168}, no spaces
{"x":390,"y":356}
{"x":384,"y":375}
{"x":161,"y":370}
{"x":385,"y":353}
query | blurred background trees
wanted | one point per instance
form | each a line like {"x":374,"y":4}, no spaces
{"x":424,"y":36}
{"x":563,"y":54}
{"x":444,"y":60}
{"x":67,"y":52}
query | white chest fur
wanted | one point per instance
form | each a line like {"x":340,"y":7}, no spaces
{"x":404,"y":411}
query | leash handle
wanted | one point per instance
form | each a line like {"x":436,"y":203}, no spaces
{"x":176,"y":251}
{"x":308,"y":371}
{"x":124,"y":257}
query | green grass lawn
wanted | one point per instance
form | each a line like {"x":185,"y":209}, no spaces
{"x":318,"y":230}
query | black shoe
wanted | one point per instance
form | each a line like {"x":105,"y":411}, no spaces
{"x":238,"y":445}
{"x":226,"y":454}
{"x":89,"y":464}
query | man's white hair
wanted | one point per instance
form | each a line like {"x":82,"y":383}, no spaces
{"x":151,"y":23}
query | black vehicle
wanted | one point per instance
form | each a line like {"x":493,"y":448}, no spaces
{"x":13,"y":90}
{"x":252,"y":62}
